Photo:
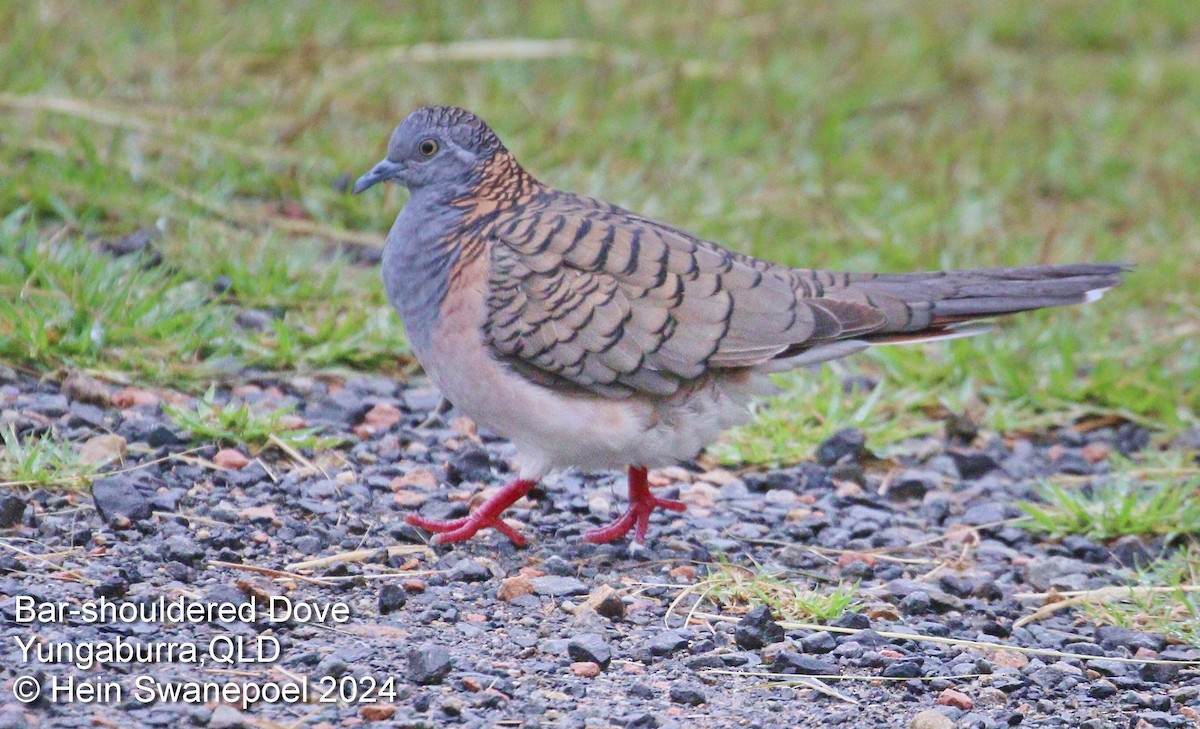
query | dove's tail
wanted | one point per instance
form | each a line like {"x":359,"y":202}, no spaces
{"x":948,"y":304}
{"x":907,"y":308}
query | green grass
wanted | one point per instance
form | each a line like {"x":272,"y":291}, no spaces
{"x":728,"y":585}
{"x":814,"y":406}
{"x":66,"y":303}
{"x":884,"y":136}
{"x":236,"y":424}
{"x":39,"y":461}
{"x":1118,"y":508}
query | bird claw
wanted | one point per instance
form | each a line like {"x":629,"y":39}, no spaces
{"x":642,"y":504}
{"x":435,"y":416}
{"x":487,"y":516}
{"x":637,"y":514}
{"x":460,"y":530}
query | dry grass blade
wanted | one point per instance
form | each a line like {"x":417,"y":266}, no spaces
{"x":59,"y":576}
{"x":531,"y":49}
{"x":815,"y":683}
{"x":1101,"y":595}
{"x":683,"y":593}
{"x":385,"y":575}
{"x":790,"y":677}
{"x":821,"y":687}
{"x":305,"y":718}
{"x":1117,"y":589}
{"x":986,"y":645}
{"x":125,"y":118}
{"x":491,"y":49}
{"x":883,"y":553}
{"x":45,"y":558}
{"x":191,"y":518}
{"x":295,"y":455}
{"x":228,"y":214}
{"x":357,"y":555}
{"x":494,"y":49}
{"x":201,"y":462}
{"x":879,"y":553}
{"x":279,"y":574}
{"x":73,"y":479}
{"x":27,"y":483}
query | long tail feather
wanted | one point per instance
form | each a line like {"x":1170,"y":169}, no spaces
{"x":928,"y":302}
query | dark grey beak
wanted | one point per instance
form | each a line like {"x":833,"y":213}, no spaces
{"x":385,"y":170}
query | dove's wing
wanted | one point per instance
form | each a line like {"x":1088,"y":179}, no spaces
{"x":583,"y":294}
{"x":592,"y":295}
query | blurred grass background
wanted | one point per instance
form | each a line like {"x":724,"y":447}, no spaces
{"x":866,"y":136}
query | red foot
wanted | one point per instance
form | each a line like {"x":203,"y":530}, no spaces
{"x":641,"y":504}
{"x":487,"y":515}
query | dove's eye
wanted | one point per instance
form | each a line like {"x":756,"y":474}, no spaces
{"x":428,"y":147}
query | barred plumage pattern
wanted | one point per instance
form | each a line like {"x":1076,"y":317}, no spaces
{"x":596,"y":338}
{"x":584,"y":294}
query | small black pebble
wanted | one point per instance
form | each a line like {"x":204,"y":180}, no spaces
{"x":903,"y":669}
{"x":12,"y":510}
{"x":391,"y":597}
{"x":590,"y":647}
{"x":683,"y":693}
{"x":848,"y":444}
{"x":428,"y":665}
{"x":757,"y":628}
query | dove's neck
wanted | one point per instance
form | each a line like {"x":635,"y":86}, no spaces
{"x":422,"y":250}
{"x":442,"y":226}
{"x":501,"y":179}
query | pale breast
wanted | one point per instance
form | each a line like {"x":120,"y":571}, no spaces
{"x":550,"y":430}
{"x":553,"y":429}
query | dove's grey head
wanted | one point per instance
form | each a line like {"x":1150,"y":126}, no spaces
{"x":434,"y":144}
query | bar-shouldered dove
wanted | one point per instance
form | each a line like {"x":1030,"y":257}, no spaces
{"x":596,"y":338}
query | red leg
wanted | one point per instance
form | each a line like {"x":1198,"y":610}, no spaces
{"x":487,"y":515}
{"x":641,"y":504}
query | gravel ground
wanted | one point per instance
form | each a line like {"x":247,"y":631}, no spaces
{"x":564,"y":633}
